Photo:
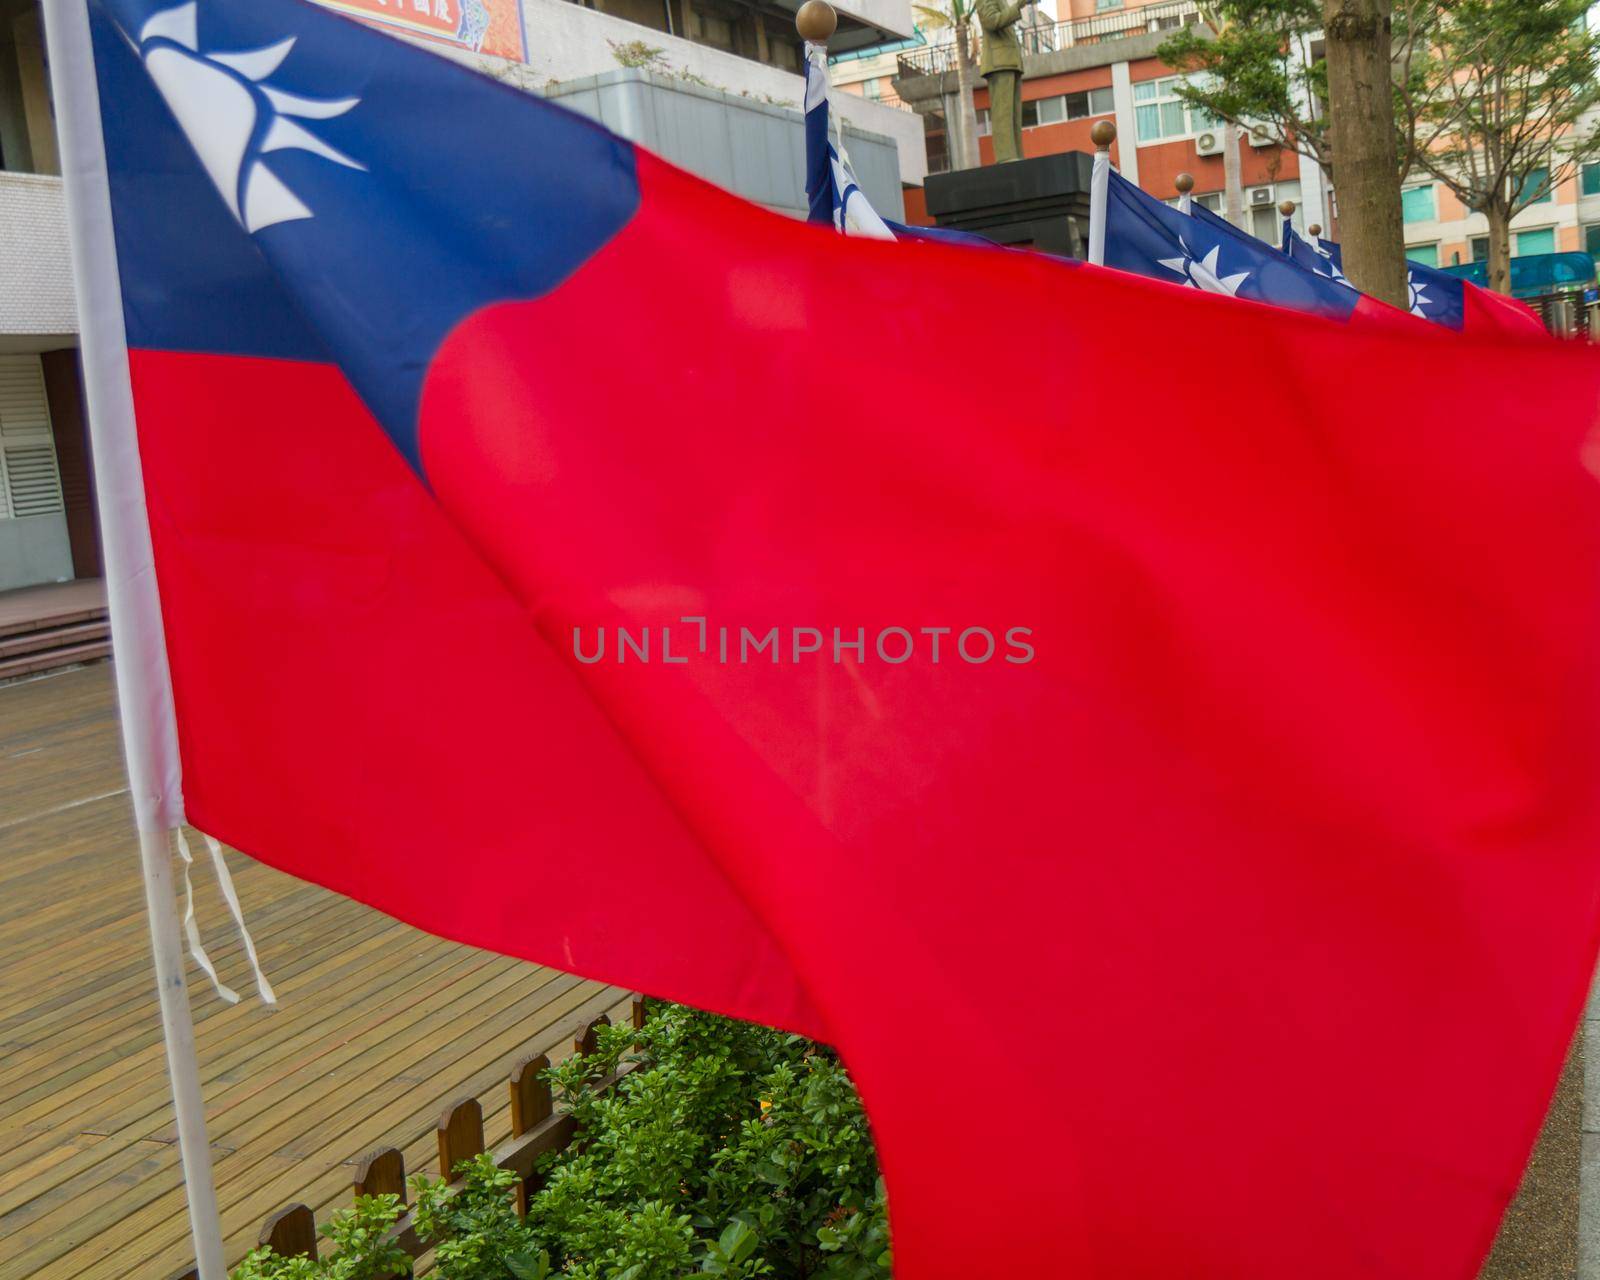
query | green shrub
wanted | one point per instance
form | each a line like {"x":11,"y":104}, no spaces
{"x":361,"y":1249}
{"x":728,"y":1150}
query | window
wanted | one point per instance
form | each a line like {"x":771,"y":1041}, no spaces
{"x":1591,"y":241}
{"x":1417,"y":205}
{"x":1532,"y":181}
{"x":1211,"y":199}
{"x":1426,"y":254}
{"x":29,"y":482}
{"x":1066,"y":106}
{"x":785,"y":54}
{"x":1159,"y":112}
{"x":1100,"y":6}
{"x":983,"y":122}
{"x":1480,"y":248}
{"x":1091,"y":102}
{"x":1591,"y":179}
{"x":713,"y":30}
{"x":1541,"y":241}
{"x":872,"y":89}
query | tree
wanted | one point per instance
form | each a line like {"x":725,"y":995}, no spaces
{"x":1488,"y":98}
{"x":1361,"y":134}
{"x":958,"y":17}
{"x":1226,"y":51}
{"x":1259,"y":71}
{"x":1232,"y":175}
{"x":1497,"y":107}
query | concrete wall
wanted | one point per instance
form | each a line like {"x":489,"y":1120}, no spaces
{"x":743,"y":145}
{"x":35,"y":267}
{"x":34,"y":549}
{"x":569,"y":42}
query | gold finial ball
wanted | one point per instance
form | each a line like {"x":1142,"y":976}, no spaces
{"x":1286,"y":208}
{"x":816,"y":21}
{"x":1184,"y":182}
{"x":1315,"y":228}
{"x":1103,"y":134}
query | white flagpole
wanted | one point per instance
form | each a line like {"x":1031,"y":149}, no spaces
{"x":1104,"y":134}
{"x":1184,"y":182}
{"x":144,"y":685}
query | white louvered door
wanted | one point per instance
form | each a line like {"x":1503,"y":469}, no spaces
{"x":30,"y":484}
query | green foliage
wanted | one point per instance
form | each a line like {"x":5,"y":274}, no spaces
{"x":1502,"y":92}
{"x":1486,"y":92}
{"x":728,"y":1150}
{"x":636,"y":53}
{"x":949,"y":15}
{"x":1252,"y":69}
{"x":362,"y":1250}
{"x":475,"y":1229}
{"x":744,"y":1144}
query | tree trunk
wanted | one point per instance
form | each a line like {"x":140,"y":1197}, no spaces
{"x":966,"y":124}
{"x":1232,"y":186}
{"x":1361,"y":118}
{"x":1499,"y":248}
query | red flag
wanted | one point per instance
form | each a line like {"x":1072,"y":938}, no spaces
{"x":1496,"y":315}
{"x":1161,"y":762}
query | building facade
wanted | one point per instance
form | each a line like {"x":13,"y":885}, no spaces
{"x":1102,"y":63}
{"x":46,"y":513}
{"x":1441,"y":231}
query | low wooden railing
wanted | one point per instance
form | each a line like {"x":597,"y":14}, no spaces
{"x":537,"y":1129}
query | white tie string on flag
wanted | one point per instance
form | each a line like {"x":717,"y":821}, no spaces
{"x":225,"y":881}
{"x":192,"y":929}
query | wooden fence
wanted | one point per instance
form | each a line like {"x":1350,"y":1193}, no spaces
{"x":536,"y":1130}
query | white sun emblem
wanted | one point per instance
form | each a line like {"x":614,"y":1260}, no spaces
{"x":1420,"y":301}
{"x":1203,"y":273}
{"x":1333,"y":272}
{"x":231,"y":118}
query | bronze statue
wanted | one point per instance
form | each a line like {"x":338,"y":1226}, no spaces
{"x":1002,"y":67}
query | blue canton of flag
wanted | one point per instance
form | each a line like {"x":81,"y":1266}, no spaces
{"x":1433,"y":294}
{"x":1145,"y":236}
{"x":832,"y":193}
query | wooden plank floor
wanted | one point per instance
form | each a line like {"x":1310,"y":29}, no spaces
{"x":379,"y":1026}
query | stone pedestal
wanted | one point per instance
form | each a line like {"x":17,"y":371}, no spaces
{"x":1041,"y":203}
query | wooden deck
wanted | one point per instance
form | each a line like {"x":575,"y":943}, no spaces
{"x":379,"y":1026}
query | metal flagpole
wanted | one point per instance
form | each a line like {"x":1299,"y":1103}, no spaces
{"x":1103,"y":134}
{"x":144,"y":685}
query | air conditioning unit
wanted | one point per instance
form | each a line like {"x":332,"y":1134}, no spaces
{"x":1208,"y":143}
{"x":1260,"y":136}
{"x":1260,"y":196}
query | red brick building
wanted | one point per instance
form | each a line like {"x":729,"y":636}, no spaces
{"x":1091,"y":66}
